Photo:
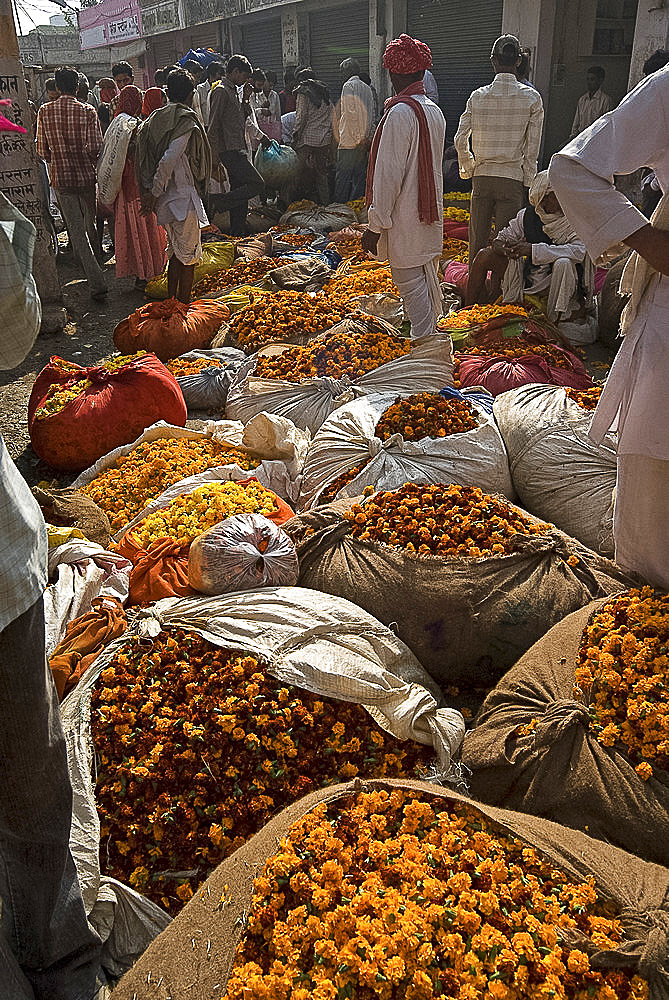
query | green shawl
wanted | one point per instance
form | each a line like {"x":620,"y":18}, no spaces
{"x":156,"y":134}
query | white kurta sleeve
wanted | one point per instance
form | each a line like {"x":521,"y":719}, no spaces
{"x":165,"y":168}
{"x":466,"y":159}
{"x":632,"y":136}
{"x":546,"y":253}
{"x":514,"y":232}
{"x":390,"y":168}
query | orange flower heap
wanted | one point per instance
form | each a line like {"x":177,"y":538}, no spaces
{"x":623,"y":673}
{"x":335,"y":355}
{"x":587,"y":398}
{"x":283,"y":316}
{"x":368,"y":281}
{"x":441,"y":521}
{"x":198,"y":747}
{"x":424,"y":415}
{"x":464,"y":319}
{"x":456,"y":250}
{"x":244,"y":272}
{"x":184,"y":367}
{"x":392,"y":896}
{"x":142,"y":475}
{"x":342,"y":480}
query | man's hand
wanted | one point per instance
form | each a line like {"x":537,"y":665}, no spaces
{"x":653,"y":245}
{"x":370,"y":241}
{"x":148,"y":204}
{"x":516,"y":250}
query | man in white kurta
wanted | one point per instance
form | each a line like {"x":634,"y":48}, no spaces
{"x":636,"y":396}
{"x":395,"y":231}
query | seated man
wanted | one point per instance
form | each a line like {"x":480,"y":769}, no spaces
{"x":537,"y":252}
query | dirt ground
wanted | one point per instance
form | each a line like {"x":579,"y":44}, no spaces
{"x":86,"y":340}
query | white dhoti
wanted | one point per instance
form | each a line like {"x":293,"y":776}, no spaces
{"x":641,"y":517}
{"x":183,"y":239}
{"x":421,"y":294}
{"x":560,"y":278}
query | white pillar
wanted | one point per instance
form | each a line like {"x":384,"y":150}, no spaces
{"x":532,"y":21}
{"x":650,"y":34}
{"x":290,"y":37}
{"x":20,"y":180}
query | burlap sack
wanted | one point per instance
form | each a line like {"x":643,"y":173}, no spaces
{"x":467,"y":620}
{"x":561,"y":770}
{"x":194,"y":956}
{"x":72,"y":509}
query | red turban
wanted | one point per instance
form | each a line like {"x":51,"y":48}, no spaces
{"x":406,"y":55}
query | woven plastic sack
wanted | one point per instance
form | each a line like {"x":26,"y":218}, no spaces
{"x":208,"y":389}
{"x":170,"y":328}
{"x":244,"y":552}
{"x":215,"y":257}
{"x":559,"y":473}
{"x":347,"y":438}
{"x":114,"y":408}
{"x":428,"y":367}
{"x":277,"y":165}
{"x":319,"y":218}
{"x":467,"y":620}
{"x":638,"y":890}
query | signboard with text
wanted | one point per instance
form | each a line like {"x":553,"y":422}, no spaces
{"x":109,"y":23}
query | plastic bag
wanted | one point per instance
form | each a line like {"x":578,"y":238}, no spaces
{"x":347,"y":438}
{"x":215,"y":257}
{"x":171,"y":327}
{"x":112,"y":408}
{"x":428,"y":367}
{"x":277,"y":165}
{"x":208,"y":389}
{"x":243,"y":552}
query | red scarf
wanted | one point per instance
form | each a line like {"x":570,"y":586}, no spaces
{"x":428,"y":210}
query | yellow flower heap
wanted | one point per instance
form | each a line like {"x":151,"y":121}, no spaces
{"x":59,"y":396}
{"x":623,"y":673}
{"x":189,"y":516}
{"x":137,"y":478}
{"x":389,"y":896}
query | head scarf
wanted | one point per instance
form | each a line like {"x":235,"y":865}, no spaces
{"x":154,"y":98}
{"x":130,"y":101}
{"x":106,"y":93}
{"x":406,"y":55}
{"x":556,"y":225}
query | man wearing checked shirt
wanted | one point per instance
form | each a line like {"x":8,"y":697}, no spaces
{"x":503,"y":122}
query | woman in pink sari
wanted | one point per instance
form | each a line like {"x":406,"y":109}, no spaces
{"x":140,"y":241}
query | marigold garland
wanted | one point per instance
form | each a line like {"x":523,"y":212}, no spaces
{"x":135,"y":479}
{"x":336,"y":355}
{"x":283,"y":316}
{"x":465,"y":319}
{"x":623,"y":674}
{"x":442,"y":521}
{"x":198,"y":747}
{"x":188,"y":516}
{"x":587,"y":398}
{"x":426,"y":414}
{"x":186,"y":367}
{"x":389,"y":895}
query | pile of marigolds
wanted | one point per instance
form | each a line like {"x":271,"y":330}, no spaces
{"x":426,"y":414}
{"x":622,"y":675}
{"x":342,"y":480}
{"x":441,"y":521}
{"x":198,"y":747}
{"x":456,"y":214}
{"x":519,"y":347}
{"x":457,"y":250}
{"x":135,"y":479}
{"x":336,"y":355}
{"x":587,"y":398}
{"x":59,"y":396}
{"x":283,"y":316}
{"x":244,"y":272}
{"x":184,"y":367}
{"x":389,"y":895}
{"x":367,"y":281}
{"x":466,"y":319}
{"x":188,"y":516}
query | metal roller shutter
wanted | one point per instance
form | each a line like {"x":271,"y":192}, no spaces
{"x":202,"y":36}
{"x":336,"y":34}
{"x":164,"y":48}
{"x":261,"y":44}
{"x":461,"y":37}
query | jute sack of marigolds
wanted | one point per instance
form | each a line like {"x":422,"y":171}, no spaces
{"x":579,"y":727}
{"x":76,"y":414}
{"x":361,"y":355}
{"x":399,"y":889}
{"x":385,"y":441}
{"x":469,"y":581}
{"x":558,"y":472}
{"x":128,"y":479}
{"x":211,"y":714}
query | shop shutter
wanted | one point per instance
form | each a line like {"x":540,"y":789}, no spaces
{"x":336,"y":34}
{"x":201,"y":36}
{"x":460,"y":37}
{"x":261,"y":44}
{"x":165,"y":48}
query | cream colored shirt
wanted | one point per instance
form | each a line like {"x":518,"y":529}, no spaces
{"x":589,"y":109}
{"x":356,"y":113}
{"x":405,"y":240}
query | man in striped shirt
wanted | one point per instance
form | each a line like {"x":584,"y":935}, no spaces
{"x":503,"y":122}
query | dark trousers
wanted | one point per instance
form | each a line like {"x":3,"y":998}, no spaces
{"x":47,"y":949}
{"x":245,"y":183}
{"x":351,"y":174}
